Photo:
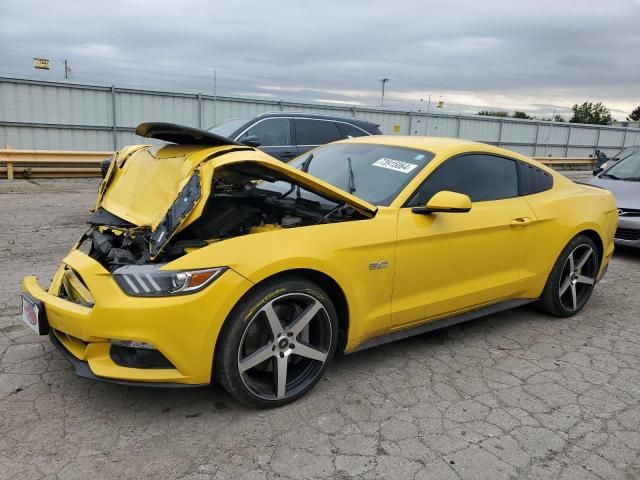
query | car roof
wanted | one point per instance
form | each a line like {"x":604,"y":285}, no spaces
{"x":320,"y":116}
{"x":431,"y":144}
{"x":441,"y":146}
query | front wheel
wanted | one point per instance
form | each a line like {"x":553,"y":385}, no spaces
{"x":572,"y":279}
{"x":277,"y":343}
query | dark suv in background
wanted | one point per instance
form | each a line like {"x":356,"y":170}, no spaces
{"x":286,"y":135}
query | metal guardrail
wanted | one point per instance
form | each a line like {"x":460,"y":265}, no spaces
{"x":567,"y":162}
{"x":50,"y":163}
{"x":65,"y":164}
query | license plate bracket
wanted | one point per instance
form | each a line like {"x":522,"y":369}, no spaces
{"x":34,"y":315}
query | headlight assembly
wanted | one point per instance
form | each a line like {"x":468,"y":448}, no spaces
{"x":150,"y":281}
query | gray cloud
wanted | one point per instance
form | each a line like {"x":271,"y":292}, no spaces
{"x":538,"y":56}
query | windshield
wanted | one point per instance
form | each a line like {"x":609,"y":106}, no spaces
{"x":375,"y":173}
{"x":627,"y":169}
{"x":627,"y":152}
{"x":229,"y":127}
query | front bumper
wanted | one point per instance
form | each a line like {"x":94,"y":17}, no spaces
{"x":628,"y":232}
{"x":82,"y":370}
{"x":184,"y":329}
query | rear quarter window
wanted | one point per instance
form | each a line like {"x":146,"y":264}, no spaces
{"x":532,"y":179}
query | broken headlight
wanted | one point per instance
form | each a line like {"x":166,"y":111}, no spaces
{"x":150,"y":281}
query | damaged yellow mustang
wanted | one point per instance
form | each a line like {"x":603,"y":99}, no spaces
{"x":207,"y":260}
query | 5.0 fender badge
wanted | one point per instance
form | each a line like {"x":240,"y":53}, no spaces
{"x":378,"y":265}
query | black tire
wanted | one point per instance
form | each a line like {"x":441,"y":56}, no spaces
{"x":567,"y":291}
{"x":248,"y":335}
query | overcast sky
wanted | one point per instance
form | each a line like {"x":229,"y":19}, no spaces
{"x":538,"y":56}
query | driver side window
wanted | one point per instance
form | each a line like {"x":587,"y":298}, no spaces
{"x":481,"y":177}
{"x":273,"y":132}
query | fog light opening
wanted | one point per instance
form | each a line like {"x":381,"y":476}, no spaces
{"x":137,"y":355}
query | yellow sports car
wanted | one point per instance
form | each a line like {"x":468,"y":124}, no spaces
{"x":207,"y":260}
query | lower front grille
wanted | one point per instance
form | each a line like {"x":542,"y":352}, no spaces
{"x":628,"y":234}
{"x":629,"y":212}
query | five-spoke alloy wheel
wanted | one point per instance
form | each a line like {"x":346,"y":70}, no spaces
{"x":578,"y":276}
{"x":572,"y":279}
{"x":281,"y":338}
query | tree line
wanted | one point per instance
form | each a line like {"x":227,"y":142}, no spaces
{"x":588,"y":112}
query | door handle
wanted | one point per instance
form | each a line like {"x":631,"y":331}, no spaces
{"x":520,"y":222}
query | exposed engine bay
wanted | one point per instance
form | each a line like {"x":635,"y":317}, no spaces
{"x":232,"y":209}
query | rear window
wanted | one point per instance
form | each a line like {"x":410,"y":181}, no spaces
{"x":350,"y":131}
{"x":226,"y":129}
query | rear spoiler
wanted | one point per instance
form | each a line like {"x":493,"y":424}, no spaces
{"x":181,"y":135}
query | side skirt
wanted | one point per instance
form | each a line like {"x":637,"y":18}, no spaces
{"x":442,"y":323}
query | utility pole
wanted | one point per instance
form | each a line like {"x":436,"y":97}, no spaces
{"x":67,"y":69}
{"x":215,"y":97}
{"x":383,"y":82}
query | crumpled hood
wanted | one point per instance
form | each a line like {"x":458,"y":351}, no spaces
{"x":165,"y":189}
{"x":143,"y":182}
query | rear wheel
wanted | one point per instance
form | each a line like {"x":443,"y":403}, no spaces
{"x":572,"y":279}
{"x":277,"y":343}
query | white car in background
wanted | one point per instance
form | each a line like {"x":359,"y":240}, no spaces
{"x":622,"y":178}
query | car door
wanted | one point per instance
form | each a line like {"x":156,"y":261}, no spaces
{"x":311,"y":133}
{"x":275,"y":136}
{"x":449,"y":262}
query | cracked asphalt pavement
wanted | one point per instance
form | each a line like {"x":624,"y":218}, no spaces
{"x":513,"y":395}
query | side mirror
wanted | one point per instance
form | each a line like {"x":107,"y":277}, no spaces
{"x":445,"y":202}
{"x":251,"y":141}
{"x":597,"y":171}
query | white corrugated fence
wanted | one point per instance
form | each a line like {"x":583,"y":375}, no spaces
{"x":47,"y":115}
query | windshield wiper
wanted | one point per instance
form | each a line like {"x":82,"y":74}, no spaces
{"x":305,"y":165}
{"x":291,"y":189}
{"x":352,"y":180}
{"x":608,"y":175}
{"x":305,"y":168}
